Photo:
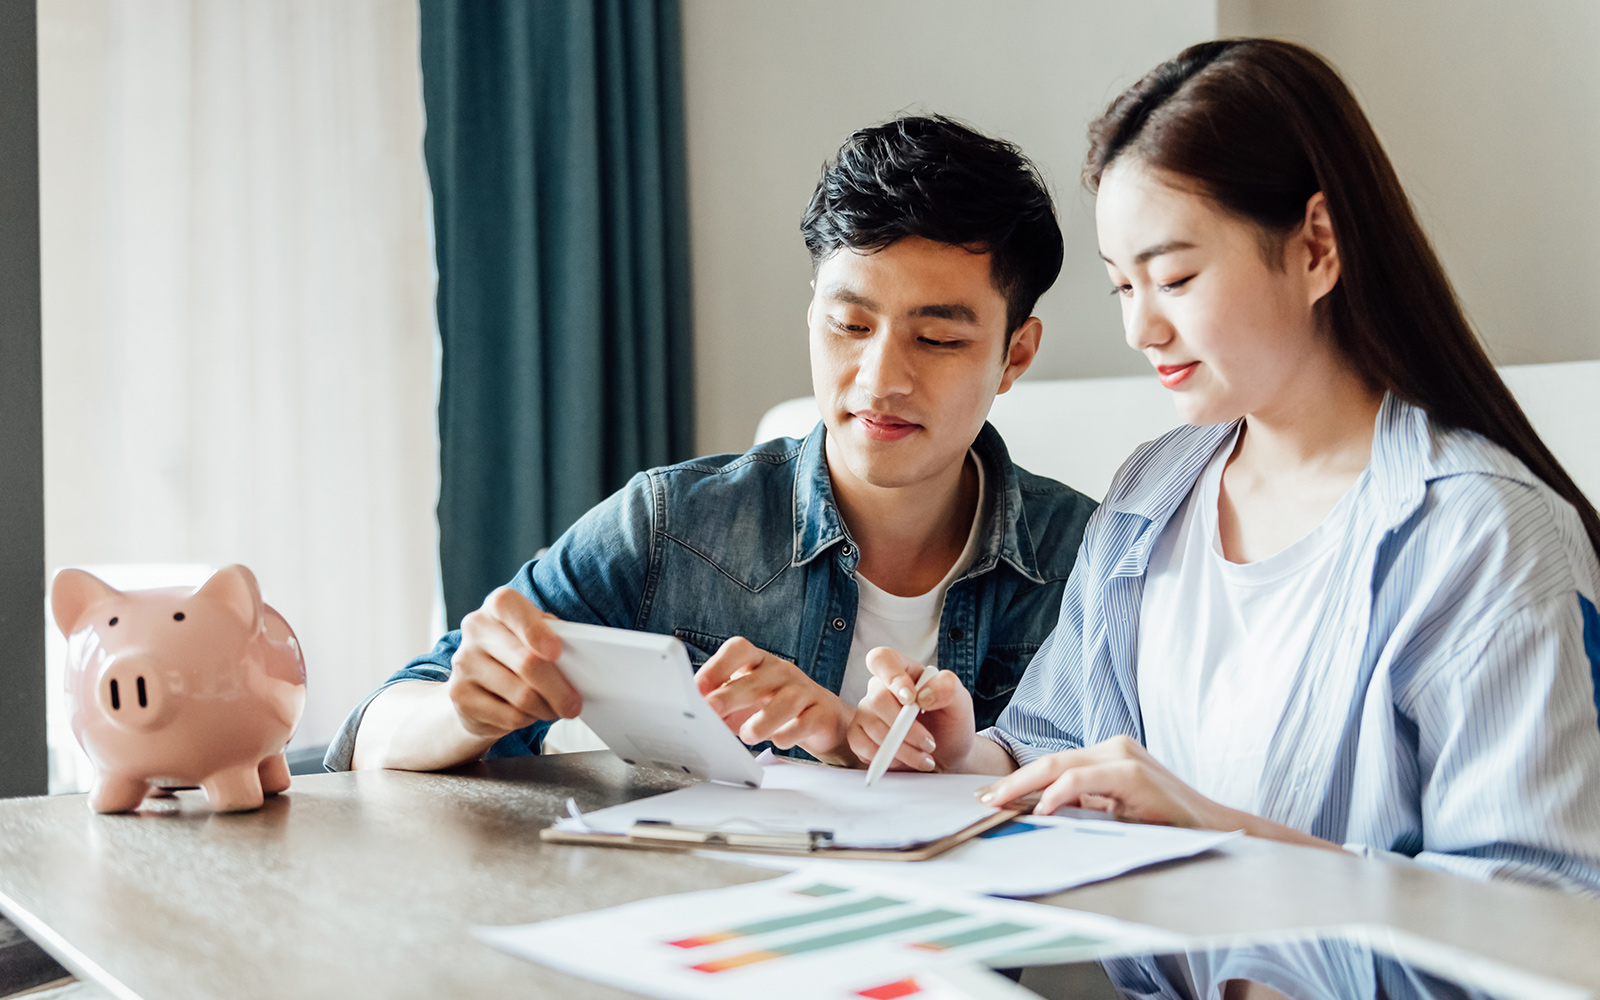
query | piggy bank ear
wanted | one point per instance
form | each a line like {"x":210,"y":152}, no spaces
{"x":72,"y":593}
{"x":234,"y":587}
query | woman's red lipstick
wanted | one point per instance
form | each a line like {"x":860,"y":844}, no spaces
{"x":1172,"y":376}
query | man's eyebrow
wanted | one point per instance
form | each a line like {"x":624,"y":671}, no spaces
{"x":958,"y":312}
{"x":1150,"y":253}
{"x":843,"y":293}
{"x":955,"y":311}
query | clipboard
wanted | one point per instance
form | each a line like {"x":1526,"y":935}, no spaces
{"x":658,"y":835}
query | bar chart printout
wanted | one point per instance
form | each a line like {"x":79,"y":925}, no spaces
{"x":806,"y":934}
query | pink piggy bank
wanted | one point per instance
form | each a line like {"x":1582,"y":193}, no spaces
{"x":176,"y":688}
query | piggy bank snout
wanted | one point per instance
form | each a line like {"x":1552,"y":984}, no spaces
{"x":131,"y":694}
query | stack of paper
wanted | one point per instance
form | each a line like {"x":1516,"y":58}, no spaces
{"x":1030,"y":856}
{"x":902,"y":809}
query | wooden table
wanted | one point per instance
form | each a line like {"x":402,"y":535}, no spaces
{"x":366,"y":885}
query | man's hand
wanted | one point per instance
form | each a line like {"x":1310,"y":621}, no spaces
{"x":762,"y":697}
{"x":503,"y":675}
{"x":942,"y":736}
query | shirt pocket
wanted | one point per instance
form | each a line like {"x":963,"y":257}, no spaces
{"x":699,"y":644}
{"x":998,"y":676}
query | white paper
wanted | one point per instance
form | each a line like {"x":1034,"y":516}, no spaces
{"x":1031,"y":856}
{"x":902,"y":809}
{"x":969,"y":982}
{"x":837,"y":934}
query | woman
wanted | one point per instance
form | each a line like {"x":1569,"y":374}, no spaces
{"x":1347,"y":605}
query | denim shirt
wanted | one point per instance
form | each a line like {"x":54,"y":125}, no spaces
{"x":753,"y":545}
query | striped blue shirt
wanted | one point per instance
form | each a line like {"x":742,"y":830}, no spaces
{"x":1451,"y":712}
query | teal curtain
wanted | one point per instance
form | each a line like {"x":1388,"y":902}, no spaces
{"x":555,"y":152}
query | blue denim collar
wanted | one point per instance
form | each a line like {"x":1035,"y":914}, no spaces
{"x":1005,"y":535}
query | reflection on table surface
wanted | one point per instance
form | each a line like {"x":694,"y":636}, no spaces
{"x":1364,"y":965}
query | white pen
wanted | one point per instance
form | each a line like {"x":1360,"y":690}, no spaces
{"x":897,"y":732}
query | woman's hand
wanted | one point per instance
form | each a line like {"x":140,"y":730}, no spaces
{"x":941,"y":738}
{"x":1118,"y":777}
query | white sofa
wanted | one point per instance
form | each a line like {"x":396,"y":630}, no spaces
{"x":1079,"y":431}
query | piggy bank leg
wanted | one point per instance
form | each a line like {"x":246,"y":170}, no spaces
{"x":238,"y":789}
{"x":274,"y":773}
{"x":114,"y":794}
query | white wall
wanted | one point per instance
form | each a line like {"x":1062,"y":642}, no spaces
{"x":773,"y":88}
{"x":1491,"y":114}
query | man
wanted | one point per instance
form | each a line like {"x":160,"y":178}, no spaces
{"x":899,"y":521}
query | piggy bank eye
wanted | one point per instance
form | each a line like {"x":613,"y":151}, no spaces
{"x":113,"y":621}
{"x":178,"y":617}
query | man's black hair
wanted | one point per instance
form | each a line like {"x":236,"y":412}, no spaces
{"x":933,"y":177}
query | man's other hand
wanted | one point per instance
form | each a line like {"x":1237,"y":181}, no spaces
{"x":763,"y":697}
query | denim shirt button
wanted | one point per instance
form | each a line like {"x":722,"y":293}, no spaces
{"x":847,"y":551}
{"x":956,"y":634}
{"x":838,"y":624}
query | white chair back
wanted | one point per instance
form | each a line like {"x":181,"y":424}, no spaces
{"x":1080,"y":431}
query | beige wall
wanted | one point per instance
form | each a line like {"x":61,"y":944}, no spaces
{"x":1491,"y":114}
{"x":1490,"y":110}
{"x":773,"y":88}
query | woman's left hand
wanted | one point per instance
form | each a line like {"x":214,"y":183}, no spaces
{"x":1118,"y":777}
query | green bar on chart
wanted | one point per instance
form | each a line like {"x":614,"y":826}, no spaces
{"x":790,"y":921}
{"x":986,"y":933}
{"x":836,"y":939}
{"x":1057,"y":949}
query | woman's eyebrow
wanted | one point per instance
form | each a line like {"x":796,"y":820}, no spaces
{"x":1149,"y":253}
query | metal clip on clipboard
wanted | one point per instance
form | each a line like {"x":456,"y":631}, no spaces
{"x":795,"y":841}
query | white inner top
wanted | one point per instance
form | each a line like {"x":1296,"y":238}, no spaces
{"x":909,"y":625}
{"x":1221,"y":644}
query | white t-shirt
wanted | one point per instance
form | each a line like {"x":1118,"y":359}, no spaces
{"x":1222,"y":645}
{"x":907,"y":624}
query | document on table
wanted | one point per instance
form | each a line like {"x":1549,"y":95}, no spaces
{"x":901,"y":810}
{"x":1029,"y":856}
{"x":809,"y":934}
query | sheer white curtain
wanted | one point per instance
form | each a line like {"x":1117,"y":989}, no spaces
{"x":239,"y":348}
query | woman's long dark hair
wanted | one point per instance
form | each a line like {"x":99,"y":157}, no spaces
{"x":1260,"y":126}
